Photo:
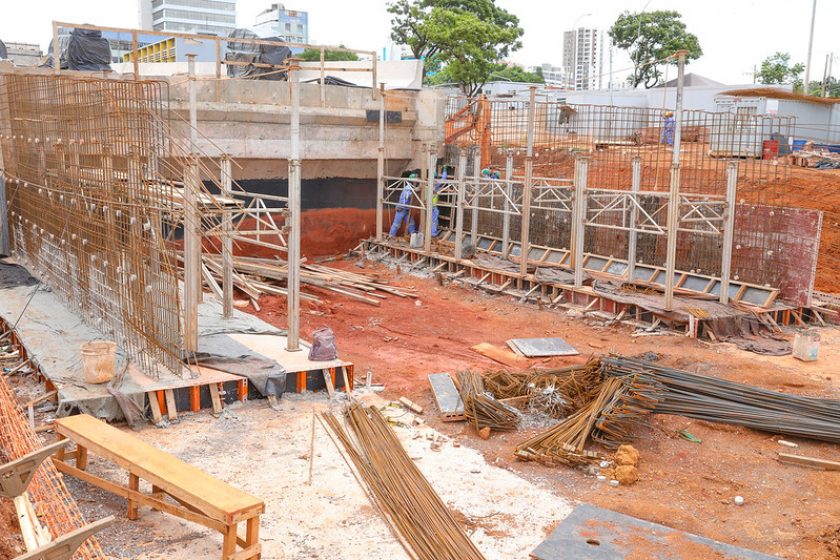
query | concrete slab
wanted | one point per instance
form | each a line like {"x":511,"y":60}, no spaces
{"x":593,"y":533}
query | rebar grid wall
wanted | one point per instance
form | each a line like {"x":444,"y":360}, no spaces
{"x":53,"y":503}
{"x":87,"y":197}
{"x":612,"y":138}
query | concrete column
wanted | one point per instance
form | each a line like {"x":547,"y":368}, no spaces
{"x":506,"y":208}
{"x":673,"y":226}
{"x":476,"y":150}
{"x":192,"y":256}
{"x":632,"y":235}
{"x":227,"y":241}
{"x":193,"y":105}
{"x":579,"y":222}
{"x":460,"y":174}
{"x":380,"y":163}
{"x":674,"y":194}
{"x":293,"y":263}
{"x":729,"y":230}
{"x":430,"y":187}
{"x":525,"y":209}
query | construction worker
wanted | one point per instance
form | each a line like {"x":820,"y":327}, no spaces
{"x":403,"y":211}
{"x":489,"y":173}
{"x":667,"y":136}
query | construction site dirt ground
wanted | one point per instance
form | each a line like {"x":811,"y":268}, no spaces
{"x":790,"y":511}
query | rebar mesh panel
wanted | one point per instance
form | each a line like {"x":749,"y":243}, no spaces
{"x":86,"y":204}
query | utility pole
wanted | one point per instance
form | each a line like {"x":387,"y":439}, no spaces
{"x":810,"y":49}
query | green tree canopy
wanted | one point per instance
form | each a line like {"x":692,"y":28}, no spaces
{"x":777,"y":69}
{"x":314,"y":55}
{"x":650,"y":37}
{"x":515,"y":73}
{"x":466,"y":39}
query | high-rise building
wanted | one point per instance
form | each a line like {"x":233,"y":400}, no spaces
{"x":583,"y":58}
{"x":207,"y":17}
{"x":277,"y":21}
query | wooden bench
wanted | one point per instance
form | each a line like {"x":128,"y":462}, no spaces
{"x":195,"y":495}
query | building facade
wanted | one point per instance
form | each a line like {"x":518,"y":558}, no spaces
{"x":289,"y":25}
{"x":206,"y":17}
{"x":24,"y":54}
{"x":583,"y":58}
{"x":553,"y":75}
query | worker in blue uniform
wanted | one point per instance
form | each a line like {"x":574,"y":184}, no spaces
{"x":403,"y":211}
{"x":667,"y":136}
{"x":488,"y":173}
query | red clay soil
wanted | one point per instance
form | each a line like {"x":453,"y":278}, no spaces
{"x":328,"y":231}
{"x":790,"y":511}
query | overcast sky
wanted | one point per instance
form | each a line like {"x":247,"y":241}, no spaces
{"x":734,"y":34}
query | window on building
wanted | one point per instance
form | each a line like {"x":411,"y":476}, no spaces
{"x":288,"y":27}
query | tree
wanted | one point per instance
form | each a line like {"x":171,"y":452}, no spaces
{"x":466,"y":39}
{"x":515,"y":73}
{"x":649,"y":38}
{"x":314,"y":55}
{"x":776,"y":69}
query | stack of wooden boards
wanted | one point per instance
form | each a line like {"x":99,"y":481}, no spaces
{"x":255,"y":276}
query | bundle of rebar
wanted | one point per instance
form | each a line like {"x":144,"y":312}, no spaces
{"x":481,"y":409}
{"x":718,"y":400}
{"x":407,"y":502}
{"x":554,"y":392}
{"x":619,"y":403}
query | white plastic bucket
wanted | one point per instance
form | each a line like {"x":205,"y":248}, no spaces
{"x":99,"y":360}
{"x":806,"y":345}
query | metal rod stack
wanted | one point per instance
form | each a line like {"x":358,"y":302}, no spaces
{"x":481,"y":409}
{"x":407,"y":502}
{"x":718,"y":400}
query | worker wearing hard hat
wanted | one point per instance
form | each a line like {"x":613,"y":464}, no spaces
{"x":488,"y":173}
{"x":667,"y":136}
{"x":403,"y":211}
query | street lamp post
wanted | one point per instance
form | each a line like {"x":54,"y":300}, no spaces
{"x":810,"y":49}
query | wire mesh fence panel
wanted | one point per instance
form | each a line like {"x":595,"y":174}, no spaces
{"x":613,"y":138}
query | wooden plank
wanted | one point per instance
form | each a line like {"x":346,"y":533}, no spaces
{"x":154,"y":406}
{"x":411,"y":405}
{"x":134,"y":486}
{"x":814,"y":462}
{"x":329,"y":373}
{"x":210,"y":495}
{"x":215,"y":398}
{"x":500,"y":355}
{"x":171,"y":409}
